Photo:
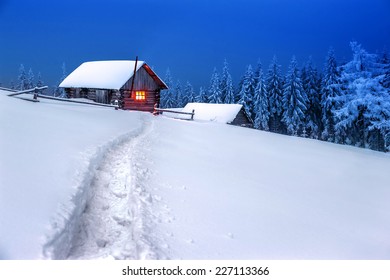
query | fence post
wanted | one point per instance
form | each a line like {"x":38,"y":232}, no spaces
{"x":192,"y":115}
{"x":155,"y":112}
{"x":35,"y":93}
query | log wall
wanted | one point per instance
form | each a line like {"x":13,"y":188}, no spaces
{"x":242,"y":119}
{"x":147,"y":105}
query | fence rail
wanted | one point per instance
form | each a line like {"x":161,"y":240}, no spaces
{"x":37,"y":94}
{"x":35,"y":90}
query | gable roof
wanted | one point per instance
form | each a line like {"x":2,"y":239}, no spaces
{"x":112,"y":74}
{"x":222,"y":113}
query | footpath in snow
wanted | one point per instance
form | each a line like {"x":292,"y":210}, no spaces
{"x":117,"y":221}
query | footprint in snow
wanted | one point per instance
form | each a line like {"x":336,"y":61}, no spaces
{"x":119,"y":194}
{"x":230,"y":235}
{"x":121,"y":220}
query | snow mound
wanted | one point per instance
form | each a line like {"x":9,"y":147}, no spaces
{"x":221,"y":113}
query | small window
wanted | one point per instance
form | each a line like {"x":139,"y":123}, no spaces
{"x":140,"y":95}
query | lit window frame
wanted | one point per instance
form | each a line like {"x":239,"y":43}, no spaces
{"x":140,"y":95}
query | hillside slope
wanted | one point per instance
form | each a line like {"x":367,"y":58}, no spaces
{"x":236,"y":193}
{"x":180,"y":189}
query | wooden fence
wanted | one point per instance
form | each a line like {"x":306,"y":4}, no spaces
{"x":37,"y":94}
{"x":158,"y":111}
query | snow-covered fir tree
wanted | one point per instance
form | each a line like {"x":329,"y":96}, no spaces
{"x":215,"y":92}
{"x":60,"y":92}
{"x":274,"y":86}
{"x":178,"y":94}
{"x":364,"y":103}
{"x":202,"y":96}
{"x":22,"y":78}
{"x":386,"y":77}
{"x":247,"y":92}
{"x":259,"y":68}
{"x":294,"y":101}
{"x":167,"y":96}
{"x":261,"y":106}
{"x":30,"y":79}
{"x":227,"y":90}
{"x":312,"y":88}
{"x":64,"y":74}
{"x":330,"y":89}
{"x":39,"y":83}
{"x":12,"y":85}
{"x":189,"y":94}
{"x":385,"y":63}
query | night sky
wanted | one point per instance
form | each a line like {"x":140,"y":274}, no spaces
{"x":190,"y":37}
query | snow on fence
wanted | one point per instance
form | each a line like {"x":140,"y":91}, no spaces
{"x":36,"y":91}
{"x":158,"y":111}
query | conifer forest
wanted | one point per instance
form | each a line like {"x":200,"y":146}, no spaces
{"x":344,"y":103}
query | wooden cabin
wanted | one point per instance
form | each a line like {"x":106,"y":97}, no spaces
{"x":131,"y":84}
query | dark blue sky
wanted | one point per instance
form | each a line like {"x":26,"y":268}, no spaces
{"x":190,"y":37}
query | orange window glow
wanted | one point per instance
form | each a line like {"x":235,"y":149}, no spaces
{"x":140,"y":95}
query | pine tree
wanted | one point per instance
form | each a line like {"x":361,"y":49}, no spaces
{"x":189,"y":95}
{"x":30,"y":79}
{"x":385,"y":63}
{"x":12,"y":85}
{"x":262,"y":112}
{"x":167,"y":98}
{"x":258,"y":71}
{"x":178,"y":95}
{"x":247,"y":92}
{"x":215,"y":93}
{"x":201,"y":97}
{"x":294,"y":101}
{"x":311,"y":86}
{"x":39,"y":83}
{"x":227,"y":90}
{"x":364,"y":103}
{"x":386,"y":77}
{"x":274,"y":84}
{"x":62,"y":92}
{"x":330,"y":90}
{"x":22,"y":78}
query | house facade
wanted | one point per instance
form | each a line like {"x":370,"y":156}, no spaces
{"x":131,"y":84}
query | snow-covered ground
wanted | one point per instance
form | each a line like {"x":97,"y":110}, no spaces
{"x":84,"y":182}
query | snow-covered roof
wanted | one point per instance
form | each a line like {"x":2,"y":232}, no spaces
{"x":104,"y":74}
{"x":222,"y":113}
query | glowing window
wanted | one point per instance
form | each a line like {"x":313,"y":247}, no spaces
{"x":139,"y":95}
